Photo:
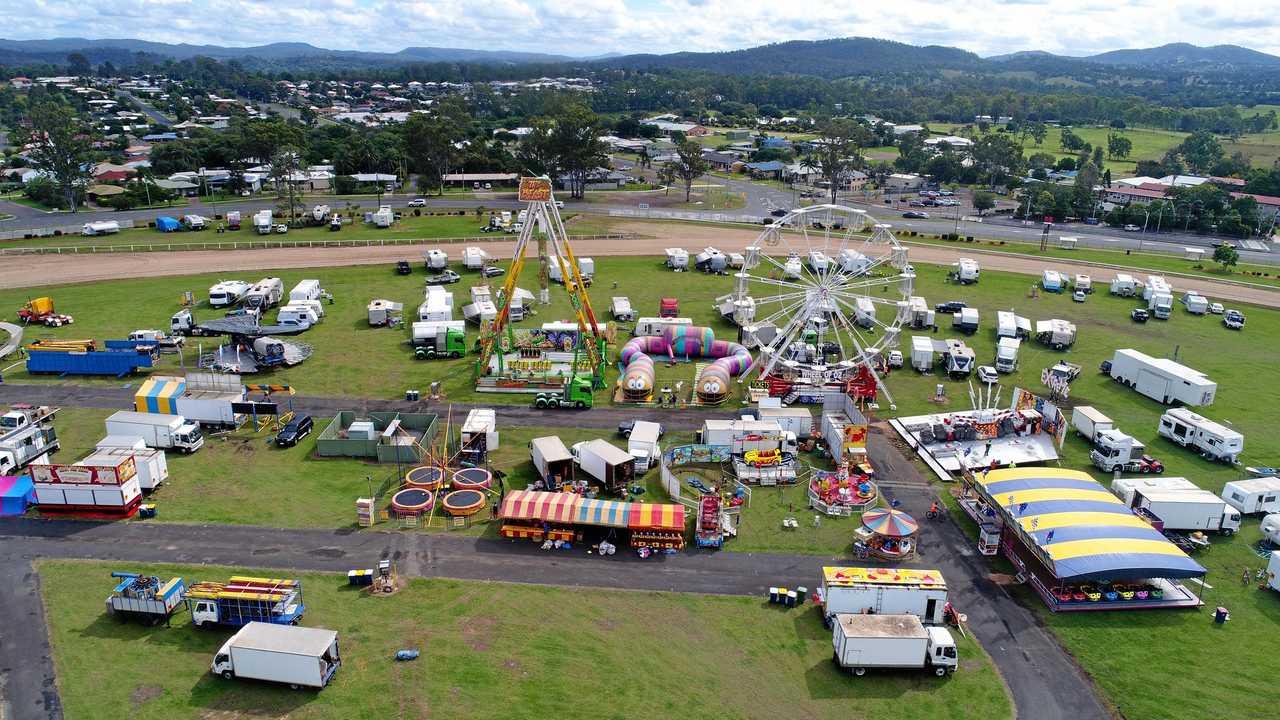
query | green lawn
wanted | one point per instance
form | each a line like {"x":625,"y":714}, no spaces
{"x":491,"y":650}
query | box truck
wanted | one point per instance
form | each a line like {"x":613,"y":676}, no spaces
{"x":643,"y":445}
{"x":1213,"y":440}
{"x":439,"y":339}
{"x":1089,"y":422}
{"x":1124,"y":285}
{"x":1254,"y":495}
{"x":1162,"y":380}
{"x":1007,"y":354}
{"x":612,"y":466}
{"x":884,"y":591}
{"x":162,"y":432}
{"x":288,"y":654}
{"x":1126,"y":488}
{"x":151,"y":465}
{"x":552,"y":460}
{"x":1186,"y":510}
{"x":262,"y":222}
{"x":891,"y":641}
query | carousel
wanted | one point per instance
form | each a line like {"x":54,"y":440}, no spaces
{"x":843,"y":492}
{"x":886,"y":534}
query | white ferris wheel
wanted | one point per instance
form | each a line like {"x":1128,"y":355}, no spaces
{"x":822,"y":293}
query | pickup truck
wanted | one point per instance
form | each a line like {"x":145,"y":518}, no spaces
{"x":950,"y":307}
{"x":445,"y":278}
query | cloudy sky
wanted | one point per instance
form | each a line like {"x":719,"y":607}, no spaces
{"x":595,"y":27}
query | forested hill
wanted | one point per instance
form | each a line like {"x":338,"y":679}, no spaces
{"x":840,"y":57}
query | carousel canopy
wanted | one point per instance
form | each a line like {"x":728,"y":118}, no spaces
{"x":1081,"y":530}
{"x":890,"y":522}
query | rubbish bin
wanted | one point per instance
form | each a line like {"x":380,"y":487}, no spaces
{"x":1220,"y":615}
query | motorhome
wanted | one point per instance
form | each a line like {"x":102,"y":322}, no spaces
{"x":818,"y":261}
{"x":1057,"y":334}
{"x":226,"y":293}
{"x":1162,"y":380}
{"x":1159,"y":296}
{"x":1213,"y":440}
{"x":1007,"y":354}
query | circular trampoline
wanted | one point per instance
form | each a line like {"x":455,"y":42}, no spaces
{"x":426,"y":477}
{"x":413,"y":501}
{"x":463,"y":502}
{"x":472,"y":479}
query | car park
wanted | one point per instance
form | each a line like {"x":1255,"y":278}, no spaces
{"x":295,"y":430}
{"x":445,"y":278}
{"x":1140,"y":315}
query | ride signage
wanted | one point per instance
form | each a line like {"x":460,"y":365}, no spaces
{"x":535,"y":189}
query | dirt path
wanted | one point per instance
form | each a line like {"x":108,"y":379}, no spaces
{"x":36,"y":270}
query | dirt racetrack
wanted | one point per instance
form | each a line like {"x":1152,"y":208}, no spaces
{"x":36,"y":270}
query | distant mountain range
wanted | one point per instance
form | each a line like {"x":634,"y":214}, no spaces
{"x":833,"y":58}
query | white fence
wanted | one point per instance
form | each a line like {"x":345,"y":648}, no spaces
{"x":686,"y":215}
{"x":54,"y":231}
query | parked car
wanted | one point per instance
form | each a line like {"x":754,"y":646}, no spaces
{"x":626,"y":426}
{"x":1216,"y":309}
{"x":296,"y":429}
{"x":987,"y":374}
{"x":403,"y":267}
{"x":778,"y":212}
{"x":445,"y":278}
{"x":1233,"y":319}
{"x":916,"y":203}
{"x":491,"y":271}
{"x":915,"y":215}
{"x":281,"y":229}
{"x":1139,"y":315}
{"x":559,"y":204}
{"x":1079,"y":296}
{"x":950,"y":307}
{"x":1131,"y":228}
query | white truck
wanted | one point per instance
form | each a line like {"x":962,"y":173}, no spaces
{"x":643,"y":445}
{"x":1057,"y":334}
{"x":1186,"y":510}
{"x":226,"y":293}
{"x":966,"y":321}
{"x":620,"y":308}
{"x":552,"y":460}
{"x":1114,"y":450}
{"x":262,"y":222}
{"x":100,"y":227}
{"x":1124,"y":285}
{"x":1213,"y":440}
{"x":1159,"y":296}
{"x":26,"y":436}
{"x":1162,"y":380}
{"x":289,"y":654}
{"x":1253,"y":495}
{"x":612,"y":466}
{"x":1011,"y":325}
{"x":1126,"y":488}
{"x":1007,"y":354}
{"x":152,"y":466}
{"x":1195,"y":303}
{"x":965,"y":271}
{"x":1089,"y":422}
{"x":266,"y":293}
{"x":887,"y":591}
{"x":891,"y":641}
{"x":162,"y":432}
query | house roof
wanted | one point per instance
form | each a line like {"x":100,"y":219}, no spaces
{"x":175,"y":185}
{"x":104,"y":190}
{"x":1137,"y":192}
{"x":1262,"y":199}
{"x":769,"y":166}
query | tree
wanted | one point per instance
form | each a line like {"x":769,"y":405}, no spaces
{"x":1226,"y":255}
{"x":1039,"y":131}
{"x":1118,"y":146}
{"x":839,"y":149}
{"x":1097,"y":157}
{"x":284,"y":164}
{"x":575,"y":139}
{"x":60,"y":148}
{"x":690,"y":165}
{"x":1201,"y":150}
{"x":431,"y":141}
{"x":998,"y":156}
{"x":1070,"y":141}
{"x":78,"y":64}
{"x":667,"y":176}
{"x":983,"y":201}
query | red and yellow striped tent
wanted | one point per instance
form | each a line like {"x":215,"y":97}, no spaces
{"x":571,"y":508}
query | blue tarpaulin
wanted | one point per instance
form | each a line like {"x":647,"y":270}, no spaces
{"x":15,"y":494}
{"x":165,"y":223}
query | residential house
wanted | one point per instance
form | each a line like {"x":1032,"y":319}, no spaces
{"x":1124,"y":195}
{"x":464,"y":179}
{"x":903,"y":182}
{"x":178,"y":187}
{"x":954,"y":141}
{"x":775,"y":143}
{"x":907,"y":129}
{"x":770,"y":169}
{"x":720,"y":161}
{"x":738,"y":135}
{"x":1268,"y":205}
{"x":1227,"y":182}
{"x":600,"y":179}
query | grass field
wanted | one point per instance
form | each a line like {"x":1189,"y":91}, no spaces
{"x":491,"y":650}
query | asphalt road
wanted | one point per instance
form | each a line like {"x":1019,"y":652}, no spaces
{"x":1042,"y":679}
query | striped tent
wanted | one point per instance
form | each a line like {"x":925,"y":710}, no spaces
{"x":609,"y":513}
{"x":571,"y":508}
{"x":652,"y":516}
{"x":1079,"y":529}
{"x":557,"y":507}
{"x":159,"y":395}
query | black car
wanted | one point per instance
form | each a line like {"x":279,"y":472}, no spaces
{"x":950,"y":307}
{"x":1139,"y":315}
{"x":297,"y":428}
{"x":779,"y":212}
{"x":626,"y":426}
{"x":404,"y":268}
{"x":915,"y":215}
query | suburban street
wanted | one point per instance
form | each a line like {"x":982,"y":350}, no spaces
{"x":1042,"y":678}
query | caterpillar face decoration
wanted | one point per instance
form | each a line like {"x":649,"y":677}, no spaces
{"x":713,"y":383}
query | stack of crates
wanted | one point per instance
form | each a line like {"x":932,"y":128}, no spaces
{"x":364,"y":512}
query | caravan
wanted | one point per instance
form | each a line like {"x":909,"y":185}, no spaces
{"x":1213,"y":440}
{"x":1053,"y":281}
{"x":1254,"y":495}
{"x":678,"y":259}
{"x":1124,"y":285}
{"x":1057,"y":334}
{"x":1009,"y":325}
{"x":966,"y":321}
{"x":965,"y":271}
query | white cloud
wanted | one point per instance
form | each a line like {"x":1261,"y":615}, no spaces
{"x":593,"y":27}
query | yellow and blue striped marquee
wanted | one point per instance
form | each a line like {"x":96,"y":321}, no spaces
{"x":159,"y":395}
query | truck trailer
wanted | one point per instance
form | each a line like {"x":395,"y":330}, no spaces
{"x":50,"y":358}
{"x":294,"y":656}
{"x":885,"y":591}
{"x":1213,"y":440}
{"x":1126,"y":488}
{"x":1162,"y":380}
{"x":1089,"y":422}
{"x":205,"y":398}
{"x":151,"y":465}
{"x":1186,"y":510}
{"x":891,"y":641}
{"x":642,"y":444}
{"x":552,"y":460}
{"x":145,"y":597}
{"x":26,"y":436}
{"x":613,"y":467}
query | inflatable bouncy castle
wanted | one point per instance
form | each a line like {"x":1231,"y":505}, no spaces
{"x":729,"y":359}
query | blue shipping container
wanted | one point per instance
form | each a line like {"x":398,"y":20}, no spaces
{"x":99,"y":362}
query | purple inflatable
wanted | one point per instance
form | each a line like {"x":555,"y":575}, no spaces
{"x":683,"y":341}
